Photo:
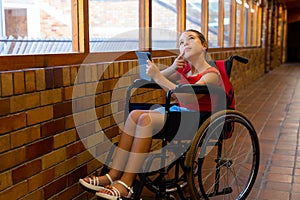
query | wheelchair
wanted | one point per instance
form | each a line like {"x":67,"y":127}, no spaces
{"x":210,"y":155}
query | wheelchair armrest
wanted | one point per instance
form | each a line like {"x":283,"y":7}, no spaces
{"x":194,"y":89}
{"x":141,"y":83}
{"x":197,"y":89}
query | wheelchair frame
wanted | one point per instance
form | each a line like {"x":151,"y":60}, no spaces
{"x":189,"y":171}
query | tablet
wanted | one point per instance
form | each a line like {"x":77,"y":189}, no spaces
{"x":142,"y":59}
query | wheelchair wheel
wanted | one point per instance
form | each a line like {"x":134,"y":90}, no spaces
{"x":225,"y":152}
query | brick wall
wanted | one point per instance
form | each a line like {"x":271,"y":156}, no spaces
{"x":42,"y":154}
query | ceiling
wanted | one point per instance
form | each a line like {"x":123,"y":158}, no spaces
{"x":293,"y":9}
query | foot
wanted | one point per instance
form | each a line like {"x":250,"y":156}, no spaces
{"x":96,"y":182}
{"x":116,"y":191}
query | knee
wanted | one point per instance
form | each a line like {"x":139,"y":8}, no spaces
{"x":139,"y":117}
{"x":134,"y":115}
{"x":144,"y":120}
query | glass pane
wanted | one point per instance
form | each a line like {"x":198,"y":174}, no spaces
{"x":253,"y":34}
{"x":35,"y":27}
{"x":164,"y":24}
{"x":238,"y":21}
{"x":227,"y":11}
{"x":246,"y":22}
{"x":193,"y":14}
{"x":113,"y":25}
{"x":213,"y":14}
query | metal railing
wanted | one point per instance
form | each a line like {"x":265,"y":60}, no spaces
{"x":19,"y":46}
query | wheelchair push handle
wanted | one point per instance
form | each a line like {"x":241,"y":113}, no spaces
{"x":240,"y":59}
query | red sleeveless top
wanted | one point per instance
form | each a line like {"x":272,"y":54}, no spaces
{"x":204,"y":102}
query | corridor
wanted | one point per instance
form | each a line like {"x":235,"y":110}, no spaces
{"x":272,"y":103}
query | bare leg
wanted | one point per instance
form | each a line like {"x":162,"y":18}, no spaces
{"x":141,"y":143}
{"x":123,"y":150}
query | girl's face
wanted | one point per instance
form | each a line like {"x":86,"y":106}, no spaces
{"x":190,"y":45}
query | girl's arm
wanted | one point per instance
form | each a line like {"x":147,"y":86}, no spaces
{"x":159,"y":76}
{"x":170,"y":72}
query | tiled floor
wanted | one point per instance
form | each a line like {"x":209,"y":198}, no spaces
{"x":272,"y":104}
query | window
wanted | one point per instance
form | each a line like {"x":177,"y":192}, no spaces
{"x":36,"y":27}
{"x":52,"y":30}
{"x":213,"y":22}
{"x":253,"y":25}
{"x":113,"y":25}
{"x":246,"y":23}
{"x":238,"y":22}
{"x":227,"y":23}
{"x":164,"y":21}
{"x":193,"y":14}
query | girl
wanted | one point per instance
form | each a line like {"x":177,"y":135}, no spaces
{"x":190,"y":66}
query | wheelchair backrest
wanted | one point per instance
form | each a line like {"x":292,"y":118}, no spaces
{"x":223,"y":66}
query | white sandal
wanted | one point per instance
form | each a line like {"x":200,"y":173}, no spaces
{"x":94,"y":183}
{"x":114,"y":193}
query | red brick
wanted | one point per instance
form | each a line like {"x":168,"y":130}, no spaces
{"x":111,"y":132}
{"x":100,"y":71}
{"x":4,"y":106}
{"x":55,"y":187}
{"x":103,"y":147}
{"x":29,"y":81}
{"x":67,"y":93}
{"x":12,"y":122}
{"x":66,"y":76}
{"x":24,"y":136}
{"x":102,"y":99}
{"x":70,"y":193}
{"x":19,"y":82}
{"x":39,"y":115}
{"x":86,"y":129}
{"x":25,"y":171}
{"x":64,"y":138}
{"x":73,"y":73}
{"x":75,"y":148}
{"x":99,"y":88}
{"x":58,"y":77}
{"x":24,"y":102}
{"x":51,"y":96}
{"x":88,"y":73}
{"x":80,"y":76}
{"x":4,"y":143}
{"x":6,"y":180}
{"x":62,"y":109}
{"x":84,"y":103}
{"x":12,"y":158}
{"x":52,"y":127}
{"x":38,"y":194}
{"x":76,"y":175}
{"x":40,"y":79}
{"x":6,"y":84}
{"x":69,"y":122}
{"x":105,"y":122}
{"x":49,"y":78}
{"x":14,"y":192}
{"x":109,"y":84}
{"x":39,"y":148}
{"x":41,"y":179}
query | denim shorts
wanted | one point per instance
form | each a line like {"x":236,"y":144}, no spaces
{"x":174,"y":108}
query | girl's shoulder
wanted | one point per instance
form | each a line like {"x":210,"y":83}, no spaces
{"x":211,"y":69}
